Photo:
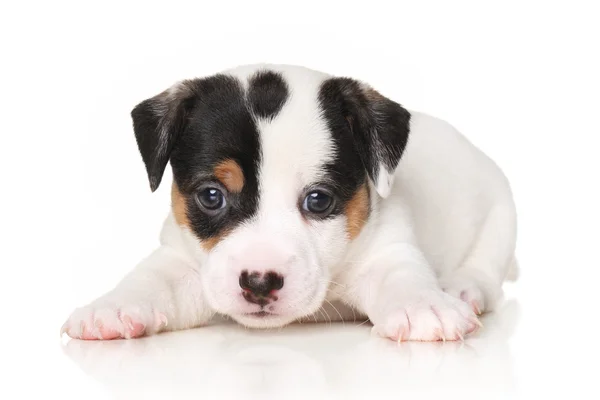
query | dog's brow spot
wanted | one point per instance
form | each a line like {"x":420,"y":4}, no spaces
{"x":230,"y":175}
{"x":357,"y":211}
{"x":267,"y":93}
{"x":178,"y":204}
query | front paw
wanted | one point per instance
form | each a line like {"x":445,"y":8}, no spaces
{"x":433,"y":316}
{"x":105,"y":322}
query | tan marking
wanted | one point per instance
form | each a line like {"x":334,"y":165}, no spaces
{"x":178,"y":204}
{"x":230,"y":174}
{"x":210,"y":243}
{"x":357,"y":211}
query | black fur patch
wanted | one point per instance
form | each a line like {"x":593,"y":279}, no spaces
{"x":157,"y":123}
{"x":220,"y":127}
{"x":267,"y":94}
{"x":346,"y":173}
{"x":211,"y":124}
{"x":368,"y":129}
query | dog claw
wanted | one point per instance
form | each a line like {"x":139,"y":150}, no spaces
{"x":163,"y":320}
{"x":440,"y":335}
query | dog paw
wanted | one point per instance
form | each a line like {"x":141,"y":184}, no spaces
{"x":467,"y":290}
{"x":436,"y":316}
{"x":105,"y":323}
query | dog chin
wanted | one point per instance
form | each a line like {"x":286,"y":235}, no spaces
{"x":273,"y":320}
{"x":264,"y":320}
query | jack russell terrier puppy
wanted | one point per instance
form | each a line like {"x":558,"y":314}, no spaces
{"x":294,"y":190}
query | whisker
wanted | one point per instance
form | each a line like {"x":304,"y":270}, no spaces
{"x":337,"y":311}
{"x":333,"y":282}
{"x":322,"y":310}
{"x":315,"y":317}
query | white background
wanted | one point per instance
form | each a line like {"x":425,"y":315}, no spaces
{"x":520,"y":79}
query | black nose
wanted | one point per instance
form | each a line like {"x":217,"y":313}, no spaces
{"x":260,"y":286}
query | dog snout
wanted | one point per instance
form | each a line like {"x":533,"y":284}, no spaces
{"x":260,"y":288}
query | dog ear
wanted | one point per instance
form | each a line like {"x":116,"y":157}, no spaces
{"x":157,"y":123}
{"x":379,"y":126}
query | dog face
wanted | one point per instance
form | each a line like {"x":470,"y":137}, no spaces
{"x":274,"y":172}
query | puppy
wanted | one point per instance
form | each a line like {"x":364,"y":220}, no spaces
{"x":295,"y":190}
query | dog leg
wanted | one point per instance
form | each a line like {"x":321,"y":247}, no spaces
{"x":399,"y":292}
{"x":162,"y":293}
{"x":478,"y":281}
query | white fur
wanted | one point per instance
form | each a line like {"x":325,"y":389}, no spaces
{"x":384,"y":183}
{"x":295,"y":145}
{"x":437,"y":246}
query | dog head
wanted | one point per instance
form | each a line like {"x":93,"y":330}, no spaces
{"x":274,"y":170}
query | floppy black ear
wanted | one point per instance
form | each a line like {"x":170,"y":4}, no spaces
{"x":157,"y":123}
{"x":379,"y":126}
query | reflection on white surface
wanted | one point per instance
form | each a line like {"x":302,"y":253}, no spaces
{"x":341,"y":361}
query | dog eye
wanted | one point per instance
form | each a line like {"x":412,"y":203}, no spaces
{"x":211,"y":199}
{"x":318,"y":203}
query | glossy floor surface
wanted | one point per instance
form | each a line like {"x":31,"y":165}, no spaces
{"x":302,"y":361}
{"x":331,"y":361}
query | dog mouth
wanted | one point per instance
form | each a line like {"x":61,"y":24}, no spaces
{"x":261,"y":314}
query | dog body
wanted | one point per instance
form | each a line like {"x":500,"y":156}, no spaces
{"x":294,"y":191}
